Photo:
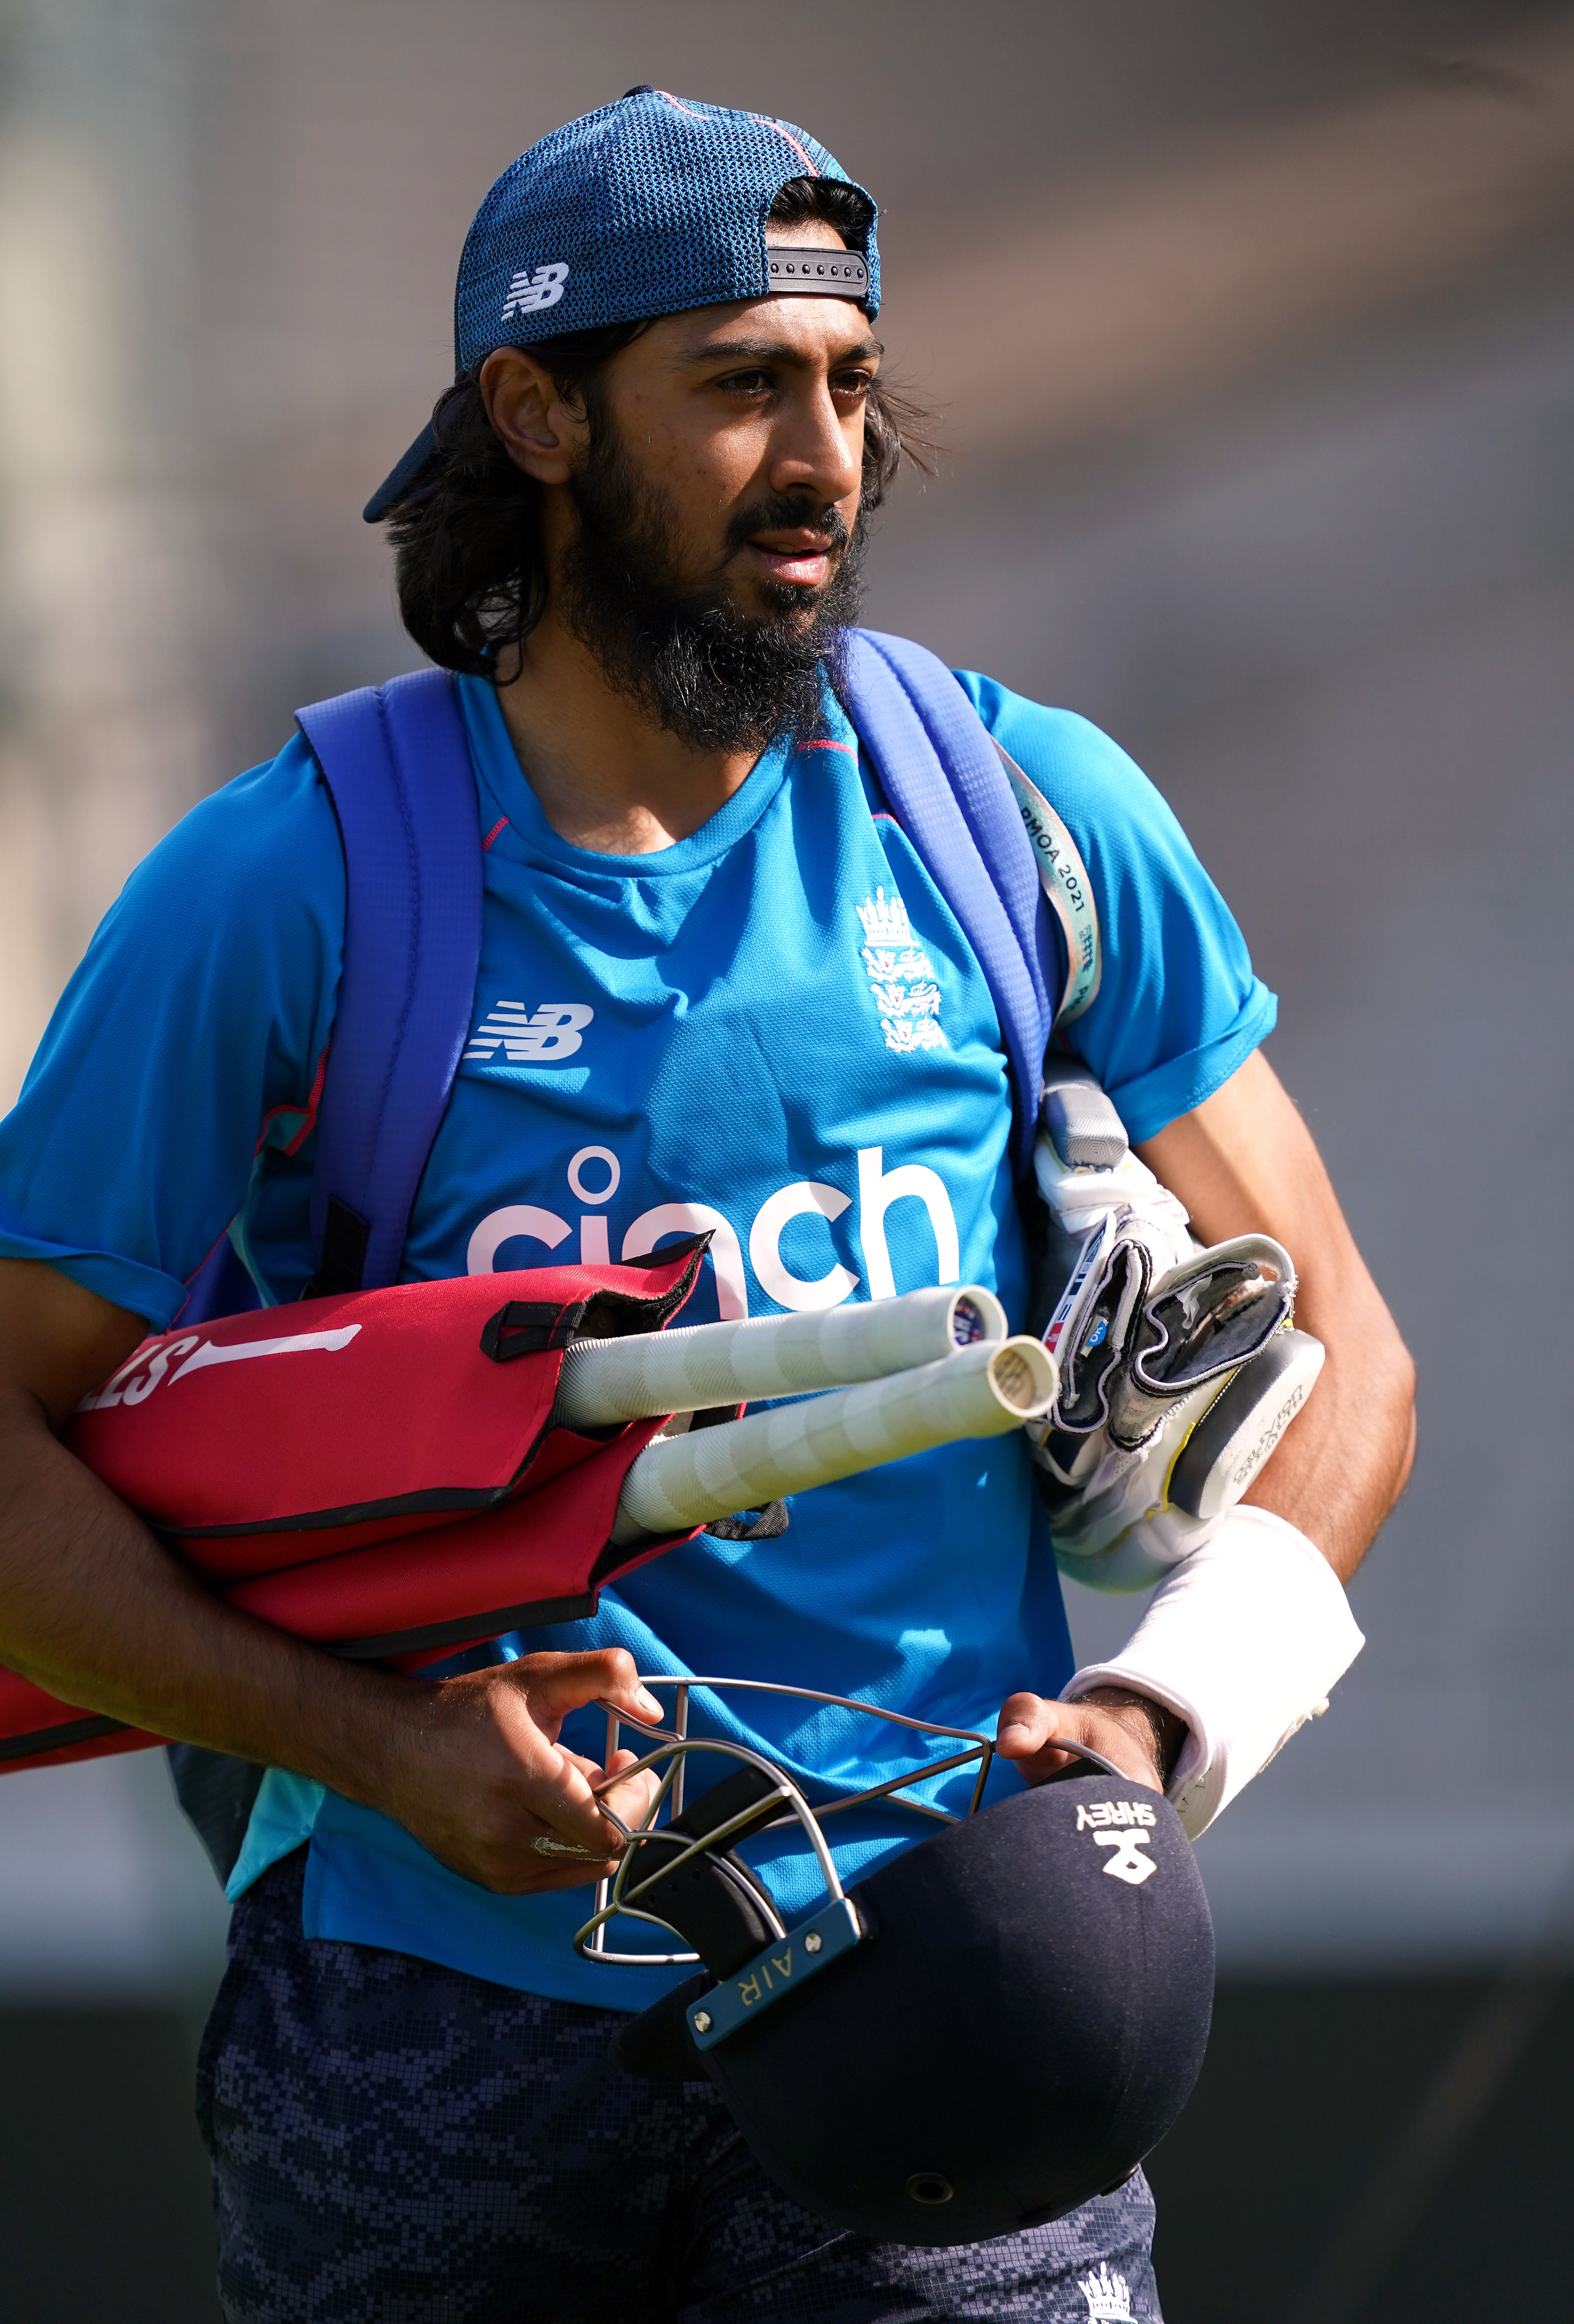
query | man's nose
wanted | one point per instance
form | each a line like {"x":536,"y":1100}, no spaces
{"x":812,"y":454}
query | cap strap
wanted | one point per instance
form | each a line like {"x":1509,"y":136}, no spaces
{"x":836,"y":273}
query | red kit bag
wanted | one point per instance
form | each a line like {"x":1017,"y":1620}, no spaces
{"x":380,"y":1472}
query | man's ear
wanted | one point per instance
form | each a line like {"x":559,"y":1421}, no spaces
{"x":539,"y":431}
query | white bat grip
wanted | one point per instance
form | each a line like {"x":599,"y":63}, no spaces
{"x":704,"y":1364}
{"x":711,"y":1472}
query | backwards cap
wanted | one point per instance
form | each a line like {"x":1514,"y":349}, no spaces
{"x":648,"y":207}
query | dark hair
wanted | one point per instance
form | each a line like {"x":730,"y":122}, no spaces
{"x":469,"y":571}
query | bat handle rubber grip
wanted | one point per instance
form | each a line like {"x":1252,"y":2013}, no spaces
{"x":983,"y":1390}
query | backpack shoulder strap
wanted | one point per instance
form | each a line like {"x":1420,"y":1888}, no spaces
{"x":971,"y":813}
{"x":397,"y":766}
{"x":398,"y":771}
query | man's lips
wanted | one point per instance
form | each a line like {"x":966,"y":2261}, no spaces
{"x":801,"y":557}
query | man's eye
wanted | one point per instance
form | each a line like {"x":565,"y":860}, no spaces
{"x":852,"y":383}
{"x":747,"y":383}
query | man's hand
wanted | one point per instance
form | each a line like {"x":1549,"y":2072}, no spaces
{"x":1138,"y":1735}
{"x":482,"y":1775}
{"x":97,"y":1611}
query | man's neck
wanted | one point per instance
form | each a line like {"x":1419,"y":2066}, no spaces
{"x":607,"y":779}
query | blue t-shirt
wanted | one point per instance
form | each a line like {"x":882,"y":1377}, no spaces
{"x":774,"y":1029}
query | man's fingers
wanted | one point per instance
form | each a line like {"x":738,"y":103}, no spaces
{"x":1027,"y":1722}
{"x":548,"y":1874}
{"x":532,"y":1817}
{"x":1032,"y":1729}
{"x":540,"y":1690}
{"x":491,"y":1790}
{"x":631,"y":1799}
{"x":594,"y":1849}
{"x":559,"y":1683}
{"x":575,"y":1812}
{"x":556,"y":1782}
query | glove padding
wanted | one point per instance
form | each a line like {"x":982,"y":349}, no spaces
{"x":1178,"y":1371}
{"x":1243,"y":1640}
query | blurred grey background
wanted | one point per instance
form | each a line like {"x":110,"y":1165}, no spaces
{"x":1252,"y":333}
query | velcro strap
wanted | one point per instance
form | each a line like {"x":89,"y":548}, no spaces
{"x":528,"y":1327}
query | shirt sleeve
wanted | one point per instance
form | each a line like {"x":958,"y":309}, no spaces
{"x":188,"y":1042}
{"x":1178,"y":1007}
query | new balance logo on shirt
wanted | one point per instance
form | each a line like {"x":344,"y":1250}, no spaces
{"x":553,"y":1032}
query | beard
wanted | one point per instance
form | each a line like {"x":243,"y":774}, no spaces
{"x":686,"y":656}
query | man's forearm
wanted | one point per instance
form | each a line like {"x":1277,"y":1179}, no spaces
{"x":1243,"y":1163}
{"x":92,"y":1608}
{"x":95,"y":1611}
{"x":1344,"y":1461}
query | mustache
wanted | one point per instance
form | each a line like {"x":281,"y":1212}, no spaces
{"x":790,"y":513}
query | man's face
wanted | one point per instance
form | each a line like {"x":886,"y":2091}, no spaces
{"x":744,"y":426}
{"x":705,"y":544}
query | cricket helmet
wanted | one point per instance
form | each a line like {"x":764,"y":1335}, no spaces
{"x":992,"y":2028}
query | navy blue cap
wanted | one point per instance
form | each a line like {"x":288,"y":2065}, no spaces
{"x":648,"y":207}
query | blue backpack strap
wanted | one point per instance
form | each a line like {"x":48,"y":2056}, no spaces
{"x":940,"y":769}
{"x":397,"y":765}
{"x":220,"y":1287}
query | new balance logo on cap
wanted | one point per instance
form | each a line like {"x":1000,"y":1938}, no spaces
{"x":528,"y":293}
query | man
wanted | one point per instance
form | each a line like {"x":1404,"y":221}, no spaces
{"x":635,"y":532}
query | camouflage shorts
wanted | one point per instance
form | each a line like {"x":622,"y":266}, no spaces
{"x":394,"y":2143}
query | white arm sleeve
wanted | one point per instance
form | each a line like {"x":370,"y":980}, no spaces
{"x":1243,"y":1640}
